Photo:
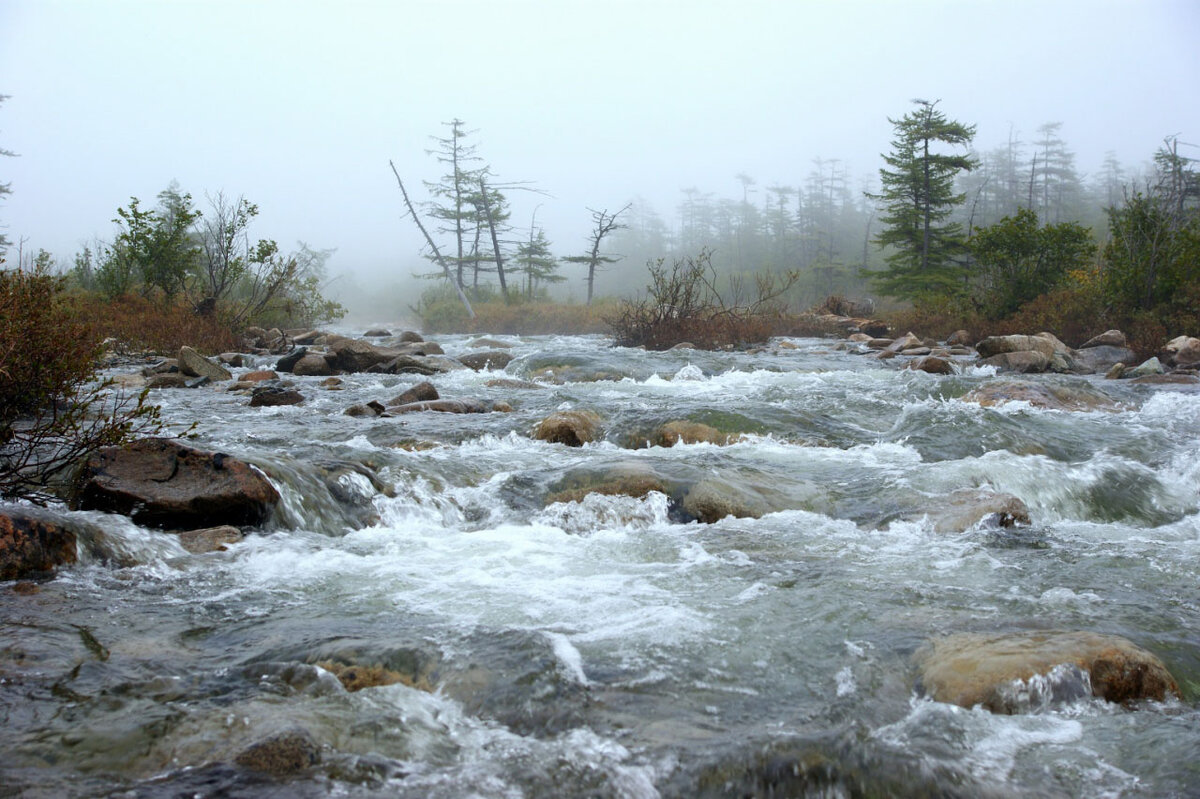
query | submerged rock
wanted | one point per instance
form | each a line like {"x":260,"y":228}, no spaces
{"x":712,"y":499}
{"x":968,"y":507}
{"x":421,"y":392}
{"x":971,"y":669}
{"x":33,"y":543}
{"x":211,"y":539}
{"x":355,"y":677}
{"x":685,"y":432}
{"x":1042,"y":395}
{"x":452,"y":406}
{"x":633,"y":479}
{"x":573,"y":428}
{"x":160,"y":482}
{"x":283,"y":754}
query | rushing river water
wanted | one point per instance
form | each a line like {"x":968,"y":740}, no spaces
{"x":611,"y":647}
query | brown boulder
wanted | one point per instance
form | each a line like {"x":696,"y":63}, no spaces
{"x":712,"y":499}
{"x":965,"y":508}
{"x":1023,"y":361}
{"x":312,"y":364}
{"x":1109,"y":338}
{"x":573,"y":428}
{"x":411,"y":337}
{"x":932,"y":364}
{"x":1182,"y":351}
{"x":211,"y":539}
{"x":271,"y":396}
{"x":32,"y":543}
{"x":959,"y":338}
{"x":683,"y":432}
{"x":356,"y":355}
{"x":634,"y":479}
{"x":971,"y":669}
{"x":259,"y":375}
{"x":421,"y":392}
{"x":480,"y":361}
{"x":159,"y":482}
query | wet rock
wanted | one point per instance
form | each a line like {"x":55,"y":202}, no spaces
{"x":312,"y":365}
{"x":210,"y":539}
{"x":377,"y":332}
{"x":1150,"y":367}
{"x":959,"y":338}
{"x":369,"y":410}
{"x":1167,"y":380}
{"x":1115,"y":372}
{"x":712,"y":499}
{"x":1109,"y":338}
{"x":684,"y":345}
{"x":504,"y":382}
{"x":907,"y":341}
{"x":193,"y":364}
{"x":411,"y":337}
{"x":289,"y":361}
{"x":479,"y":361}
{"x":1023,"y":361}
{"x":971,"y":669}
{"x":879,"y":343}
{"x":916,"y":351}
{"x":176,"y":380}
{"x":489,"y":343}
{"x":271,"y":396}
{"x":258,"y":376}
{"x":159,"y":482}
{"x":572,"y":428}
{"x":309,"y":337}
{"x":932,"y":364}
{"x":1043,"y":395}
{"x":333,"y":384}
{"x":234,"y":359}
{"x":684,"y":432}
{"x":281,"y":755}
{"x":33,"y":543}
{"x":356,"y":355}
{"x":355,"y":677}
{"x":452,"y":406}
{"x":633,"y":479}
{"x":130,"y":380}
{"x":421,"y":392}
{"x":966,"y":508}
{"x":1182,"y":351}
{"x":408,"y":365}
{"x":1102,"y":357}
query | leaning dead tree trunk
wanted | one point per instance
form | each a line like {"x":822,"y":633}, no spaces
{"x":437,"y":254}
{"x":487,"y":211}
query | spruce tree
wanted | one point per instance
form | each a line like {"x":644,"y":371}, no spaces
{"x":918,"y":198}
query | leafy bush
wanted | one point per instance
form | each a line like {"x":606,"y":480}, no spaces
{"x":139,"y":324}
{"x":52,"y":412}
{"x":682,"y":304}
{"x":441,"y":312}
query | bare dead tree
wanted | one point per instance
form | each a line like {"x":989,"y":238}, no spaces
{"x":605,"y":223}
{"x":486,"y":202}
{"x":437,"y":254}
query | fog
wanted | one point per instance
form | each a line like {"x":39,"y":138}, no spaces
{"x":298,"y":106}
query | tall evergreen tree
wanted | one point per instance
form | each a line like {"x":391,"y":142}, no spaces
{"x":918,"y":198}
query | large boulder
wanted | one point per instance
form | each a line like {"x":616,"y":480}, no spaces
{"x":1058,"y":356}
{"x":289,"y":361}
{"x":193,"y":364}
{"x":932,"y":364}
{"x":312,"y":365}
{"x":1102,"y":357}
{"x":1109,"y":338}
{"x":33,"y":543}
{"x":271,"y":396}
{"x":573,"y":428}
{"x":356,"y":355}
{"x":1004,"y":672}
{"x":1182,"y":351}
{"x":684,"y":432}
{"x":159,"y":482}
{"x":1077,"y":397}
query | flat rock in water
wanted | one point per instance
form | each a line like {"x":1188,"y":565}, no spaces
{"x":1042,"y":395}
{"x":968,"y":507}
{"x":33,"y":543}
{"x":712,"y":499}
{"x":159,"y":482}
{"x":998,"y":671}
{"x":271,"y":396}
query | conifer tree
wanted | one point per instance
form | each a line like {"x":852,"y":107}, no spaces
{"x":918,"y":198}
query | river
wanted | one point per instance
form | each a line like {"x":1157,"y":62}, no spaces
{"x":612,"y":647}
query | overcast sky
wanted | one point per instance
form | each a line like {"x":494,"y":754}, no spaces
{"x":299,"y":105}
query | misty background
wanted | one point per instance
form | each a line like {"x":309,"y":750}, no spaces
{"x":298,"y":106}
